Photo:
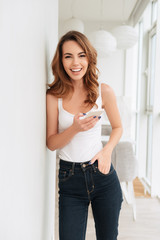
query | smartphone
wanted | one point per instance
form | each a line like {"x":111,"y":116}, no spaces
{"x":93,"y":113}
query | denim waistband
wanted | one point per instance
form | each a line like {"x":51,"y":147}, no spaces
{"x":72,"y":165}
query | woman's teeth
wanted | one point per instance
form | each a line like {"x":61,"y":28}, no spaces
{"x":76,"y":70}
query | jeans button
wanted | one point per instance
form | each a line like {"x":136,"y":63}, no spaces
{"x":84,"y":165}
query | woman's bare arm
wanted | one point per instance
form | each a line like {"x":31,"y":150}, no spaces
{"x":53,"y":139}
{"x":110,"y":106}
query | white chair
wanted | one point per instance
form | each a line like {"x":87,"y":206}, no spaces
{"x":125,"y":163}
{"x":126,"y":166}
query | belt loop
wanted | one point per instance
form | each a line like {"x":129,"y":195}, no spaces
{"x":94,"y":168}
{"x":73,"y":165}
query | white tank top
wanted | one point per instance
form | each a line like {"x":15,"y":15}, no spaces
{"x":84,"y":145}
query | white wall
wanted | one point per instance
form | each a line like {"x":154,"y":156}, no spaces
{"x":23,"y":118}
{"x":112,"y":71}
{"x":51,"y":43}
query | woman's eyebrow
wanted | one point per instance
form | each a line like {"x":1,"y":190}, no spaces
{"x":81,"y":53}
{"x":71,"y":53}
{"x":67,"y":54}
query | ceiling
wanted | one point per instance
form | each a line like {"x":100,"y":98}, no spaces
{"x":97,"y":10}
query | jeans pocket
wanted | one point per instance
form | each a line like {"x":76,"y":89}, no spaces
{"x":107,"y":174}
{"x":64,"y":174}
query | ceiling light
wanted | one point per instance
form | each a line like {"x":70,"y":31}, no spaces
{"x":103,"y":42}
{"x":73,"y":24}
{"x":126,"y":36}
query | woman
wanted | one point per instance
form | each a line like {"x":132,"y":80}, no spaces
{"x":86,"y":174}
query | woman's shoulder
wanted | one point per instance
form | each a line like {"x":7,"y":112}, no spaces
{"x":108,"y":94}
{"x":50,"y":94}
{"x":105,"y":88}
{"x":51,"y":99}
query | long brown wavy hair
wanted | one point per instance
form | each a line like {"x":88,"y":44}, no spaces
{"x":62,"y":83}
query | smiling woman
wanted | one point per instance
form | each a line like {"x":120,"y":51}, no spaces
{"x":86,"y":174}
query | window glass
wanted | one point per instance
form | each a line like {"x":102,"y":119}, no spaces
{"x":154,"y":11}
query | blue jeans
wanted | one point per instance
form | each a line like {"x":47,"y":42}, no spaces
{"x":79,"y":185}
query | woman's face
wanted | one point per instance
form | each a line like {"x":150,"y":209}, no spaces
{"x":74,"y":60}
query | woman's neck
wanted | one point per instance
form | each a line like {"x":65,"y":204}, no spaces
{"x":78,"y":85}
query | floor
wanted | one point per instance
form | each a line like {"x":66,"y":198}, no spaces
{"x":146,"y":226}
{"x":139,"y":189}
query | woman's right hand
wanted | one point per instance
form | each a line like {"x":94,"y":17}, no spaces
{"x":81,"y":125}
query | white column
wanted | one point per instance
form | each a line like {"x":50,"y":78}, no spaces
{"x":23,"y":162}
{"x":51,"y":32}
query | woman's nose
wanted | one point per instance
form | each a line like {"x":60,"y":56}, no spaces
{"x":75,"y":61}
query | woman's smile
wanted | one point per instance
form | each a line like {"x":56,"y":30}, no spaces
{"x":76,"y":71}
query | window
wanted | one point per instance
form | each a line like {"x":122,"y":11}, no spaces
{"x":150,"y":103}
{"x":145,"y":91}
{"x":140,"y":45}
{"x":154,"y":12}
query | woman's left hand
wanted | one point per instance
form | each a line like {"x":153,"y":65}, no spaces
{"x":104,"y":160}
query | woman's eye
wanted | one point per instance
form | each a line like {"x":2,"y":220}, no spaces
{"x":82,"y":55}
{"x":67,"y":56}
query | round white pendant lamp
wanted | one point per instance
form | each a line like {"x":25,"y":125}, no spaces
{"x":104,"y":42}
{"x":126,"y":36}
{"x":73,"y":24}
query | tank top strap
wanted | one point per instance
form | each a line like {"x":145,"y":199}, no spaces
{"x":100,"y":97}
{"x":59,"y":103}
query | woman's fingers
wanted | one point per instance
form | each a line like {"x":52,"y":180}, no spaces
{"x":78,"y":115}
{"x":84,"y":124}
{"x":88,"y":120}
{"x":104,"y":168}
{"x":89,"y":123}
